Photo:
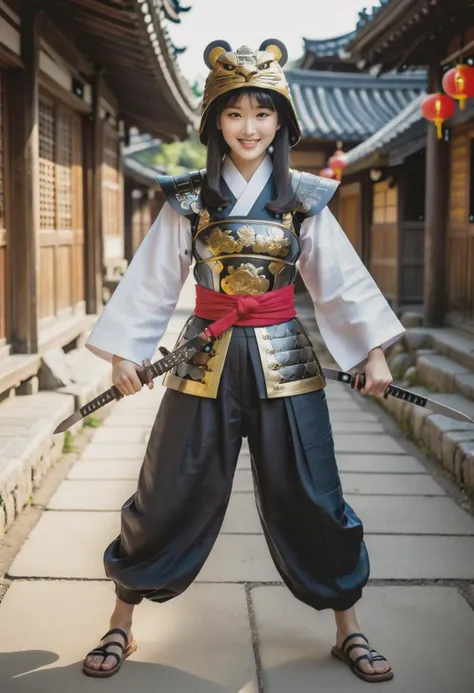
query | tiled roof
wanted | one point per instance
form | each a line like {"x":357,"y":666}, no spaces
{"x":350,"y":106}
{"x":327,"y":47}
{"x":409,"y":123}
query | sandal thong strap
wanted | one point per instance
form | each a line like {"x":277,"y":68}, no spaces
{"x":353,"y":635}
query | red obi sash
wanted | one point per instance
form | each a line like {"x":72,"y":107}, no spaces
{"x":244,"y":311}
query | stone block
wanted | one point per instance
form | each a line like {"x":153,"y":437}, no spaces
{"x":29,"y":387}
{"x":55,"y":371}
{"x":415,"y":339}
{"x":449,"y":444}
{"x":463,"y":449}
{"x":439,"y":372}
{"x":22,"y":493}
{"x":465,"y":385}
{"x":8,"y":503}
{"x":294,"y":645}
{"x":199,"y":643}
{"x":411,"y":318}
{"x":399,"y":363}
{"x":3,"y":521}
{"x":456,"y":345}
{"x":468,"y":472}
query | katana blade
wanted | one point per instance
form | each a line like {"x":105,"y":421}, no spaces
{"x":172,"y":359}
{"x":405,"y":395}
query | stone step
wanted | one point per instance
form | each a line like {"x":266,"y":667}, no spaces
{"x":457,"y":345}
{"x":441,"y":373}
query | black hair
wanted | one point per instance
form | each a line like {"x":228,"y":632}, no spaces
{"x":217,"y":147}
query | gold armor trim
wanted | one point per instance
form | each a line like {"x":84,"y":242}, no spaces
{"x":210,"y":384}
{"x":208,"y":260}
{"x":246,"y":280}
{"x":245,"y":222}
{"x":275,"y":388}
{"x":230,"y":70}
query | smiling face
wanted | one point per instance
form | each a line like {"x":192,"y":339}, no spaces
{"x":248,"y":127}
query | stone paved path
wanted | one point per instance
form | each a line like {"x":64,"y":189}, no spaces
{"x":237,"y":629}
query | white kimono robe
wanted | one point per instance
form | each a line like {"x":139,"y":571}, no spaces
{"x":352,"y":314}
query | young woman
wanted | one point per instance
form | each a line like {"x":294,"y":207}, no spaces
{"x":246,"y":221}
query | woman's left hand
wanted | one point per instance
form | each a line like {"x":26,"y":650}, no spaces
{"x":377,"y":374}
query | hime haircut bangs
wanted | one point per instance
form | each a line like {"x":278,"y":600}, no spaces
{"x":217,"y":148}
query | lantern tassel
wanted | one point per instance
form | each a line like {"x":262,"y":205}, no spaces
{"x":462,"y":102}
{"x":439,"y":127}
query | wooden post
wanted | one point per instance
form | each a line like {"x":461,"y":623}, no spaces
{"x":24,"y":143}
{"x":93,"y":188}
{"x":436,"y":203}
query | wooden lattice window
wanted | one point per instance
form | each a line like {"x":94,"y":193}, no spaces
{"x":385,"y":203}
{"x":47,"y":164}
{"x":64,"y":170}
{"x":111,"y":184}
{"x":55,"y":165}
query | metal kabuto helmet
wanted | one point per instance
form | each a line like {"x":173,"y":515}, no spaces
{"x":245,"y":68}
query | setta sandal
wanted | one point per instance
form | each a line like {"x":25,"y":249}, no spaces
{"x":343,"y":653}
{"x":126,"y":651}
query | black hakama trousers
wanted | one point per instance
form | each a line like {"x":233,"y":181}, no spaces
{"x":170,"y":524}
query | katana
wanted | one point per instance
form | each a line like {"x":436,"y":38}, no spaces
{"x":148,"y":373}
{"x":187,"y":350}
{"x":400,"y":393}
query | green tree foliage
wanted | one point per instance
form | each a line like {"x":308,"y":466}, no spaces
{"x":176,"y":157}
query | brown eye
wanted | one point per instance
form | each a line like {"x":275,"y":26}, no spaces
{"x":263,"y":66}
{"x":229,"y":67}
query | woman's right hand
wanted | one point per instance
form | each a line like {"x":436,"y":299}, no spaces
{"x":125,"y":376}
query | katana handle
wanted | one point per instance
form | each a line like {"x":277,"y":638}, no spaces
{"x":393,"y":391}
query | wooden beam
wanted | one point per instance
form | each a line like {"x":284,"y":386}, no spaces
{"x":23,"y":104}
{"x":93,"y":154}
{"x":436,"y":204}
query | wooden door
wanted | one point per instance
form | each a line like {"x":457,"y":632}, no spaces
{"x":349,"y":213}
{"x":61,"y":271}
{"x":383,"y":262}
{"x":460,"y":237}
{"x":112,"y":204}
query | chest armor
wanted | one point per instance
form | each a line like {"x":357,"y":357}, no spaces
{"x":247,"y":256}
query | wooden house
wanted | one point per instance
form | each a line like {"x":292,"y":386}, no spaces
{"x":74,"y":77}
{"x":382,"y":205}
{"x":335,"y":101}
{"x":403,"y":34}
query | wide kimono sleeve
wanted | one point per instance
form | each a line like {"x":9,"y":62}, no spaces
{"x":135,"y":318}
{"x":352,"y":314}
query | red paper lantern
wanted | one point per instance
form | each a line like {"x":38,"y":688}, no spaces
{"x":327,"y":173}
{"x":437,"y":108}
{"x":459,"y":83}
{"x":338,"y":162}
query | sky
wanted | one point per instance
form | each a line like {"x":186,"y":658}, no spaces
{"x":250,"y":22}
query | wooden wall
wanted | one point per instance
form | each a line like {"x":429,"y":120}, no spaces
{"x":349,"y":213}
{"x":61,"y":219}
{"x":383,"y":263}
{"x":460,"y":237}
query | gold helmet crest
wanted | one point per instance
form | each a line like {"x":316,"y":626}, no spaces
{"x":246,"y":68}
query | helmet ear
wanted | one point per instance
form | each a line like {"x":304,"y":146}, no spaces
{"x":214,"y":50}
{"x":277,"y":49}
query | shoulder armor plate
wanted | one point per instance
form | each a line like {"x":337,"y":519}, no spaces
{"x":312,"y":192}
{"x":182,"y":192}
